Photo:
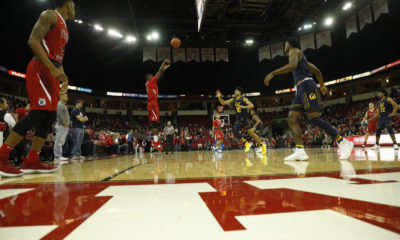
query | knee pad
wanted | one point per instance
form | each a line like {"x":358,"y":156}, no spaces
{"x":33,"y":119}
{"x":46,"y":124}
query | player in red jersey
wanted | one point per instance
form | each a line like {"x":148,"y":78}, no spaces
{"x":372,"y":122}
{"x":43,"y":77}
{"x":217,"y":132}
{"x":152,"y":102}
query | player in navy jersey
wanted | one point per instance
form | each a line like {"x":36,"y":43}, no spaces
{"x":242,"y":106}
{"x":307,"y":100}
{"x":387,"y":108}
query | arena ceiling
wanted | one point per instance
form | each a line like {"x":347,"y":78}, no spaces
{"x":96,"y":61}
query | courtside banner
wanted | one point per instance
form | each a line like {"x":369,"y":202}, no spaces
{"x":385,"y":140}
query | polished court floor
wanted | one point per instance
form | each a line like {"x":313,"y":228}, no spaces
{"x":204,"y":195}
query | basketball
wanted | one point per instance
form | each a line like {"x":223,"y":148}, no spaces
{"x":175,"y":42}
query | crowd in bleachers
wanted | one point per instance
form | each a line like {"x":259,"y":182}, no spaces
{"x":107,"y":134}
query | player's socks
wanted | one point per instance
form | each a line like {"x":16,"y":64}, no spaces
{"x":339,"y":139}
{"x":5,"y":149}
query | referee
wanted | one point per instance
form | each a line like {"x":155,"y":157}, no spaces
{"x":169,"y":132}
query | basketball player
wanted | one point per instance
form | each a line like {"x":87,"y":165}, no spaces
{"x":242,"y":105}
{"x":217,"y":132}
{"x":307,"y":100}
{"x":372,"y":111}
{"x":43,"y":77}
{"x":387,"y":109}
{"x":152,"y":102}
{"x":256,"y":126}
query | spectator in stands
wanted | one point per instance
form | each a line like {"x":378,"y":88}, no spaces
{"x":6,"y":117}
{"x":68,"y":146}
{"x":61,"y":127}
{"x":20,"y":113}
{"x":88,"y":146}
{"x":169,"y":132}
{"x":122,"y":144}
{"x":130,"y":140}
{"x":78,"y":122}
{"x":112,"y":147}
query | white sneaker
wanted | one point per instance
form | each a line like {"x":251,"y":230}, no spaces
{"x":259,"y":150}
{"x":375,"y":147}
{"x":299,"y":154}
{"x":345,"y":148}
{"x":396,"y":147}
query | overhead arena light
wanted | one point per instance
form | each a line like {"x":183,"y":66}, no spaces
{"x":300,"y":28}
{"x":347,"y":6}
{"x":328,"y":21}
{"x":115,"y":33}
{"x":155,"y":35}
{"x":149,"y":37}
{"x":99,"y":28}
{"x":130,"y":39}
{"x":307,"y":26}
{"x":249,"y":41}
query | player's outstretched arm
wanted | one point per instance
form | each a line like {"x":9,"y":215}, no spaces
{"x":395,"y":107}
{"x":164,"y":66}
{"x":46,"y":20}
{"x":292,"y":65}
{"x":221,"y":101}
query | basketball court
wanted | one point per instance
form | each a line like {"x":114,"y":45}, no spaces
{"x":302,"y":82}
{"x":199,"y":195}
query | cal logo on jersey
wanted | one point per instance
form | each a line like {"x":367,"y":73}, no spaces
{"x":312,"y":96}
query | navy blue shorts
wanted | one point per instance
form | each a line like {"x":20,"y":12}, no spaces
{"x":308,"y":98}
{"x":250,"y":124}
{"x":384,"y":122}
{"x":259,"y":128}
{"x":242,"y":119}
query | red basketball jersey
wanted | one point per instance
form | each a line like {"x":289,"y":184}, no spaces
{"x":152,"y":89}
{"x":372,"y":113}
{"x":217,"y":124}
{"x":56,"y":39}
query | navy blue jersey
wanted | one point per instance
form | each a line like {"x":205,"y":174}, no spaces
{"x":385,"y":108}
{"x":240,"y":113}
{"x":302,"y":71}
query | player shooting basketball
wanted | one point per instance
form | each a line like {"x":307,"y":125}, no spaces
{"x":152,"y":102}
